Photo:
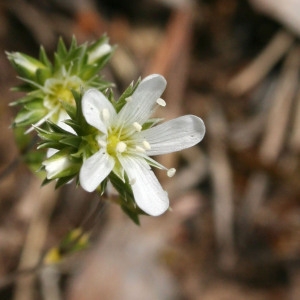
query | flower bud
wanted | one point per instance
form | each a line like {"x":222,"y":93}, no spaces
{"x":56,"y":165}
{"x":24,"y":63}
{"x":98,"y":51}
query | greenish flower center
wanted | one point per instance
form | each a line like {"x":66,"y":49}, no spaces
{"x":112,"y":142}
{"x":64,"y":93}
{"x":115,"y":145}
{"x":59,"y":90}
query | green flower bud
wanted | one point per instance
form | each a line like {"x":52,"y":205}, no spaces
{"x":25,"y":65}
{"x":98,"y":52}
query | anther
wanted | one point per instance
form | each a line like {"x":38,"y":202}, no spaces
{"x":132,"y":181}
{"x":171,"y":172}
{"x":161,"y":102}
{"x":139,"y":149}
{"x":146,"y":145}
{"x":121,"y":147}
{"x":137,"y":126}
{"x":105,"y":114}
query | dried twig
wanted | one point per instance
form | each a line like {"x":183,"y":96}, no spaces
{"x":280,"y":111}
{"x":222,"y":186}
{"x":286,"y":12}
{"x":172,"y":60}
{"x":32,"y":252}
{"x":254,"y":197}
{"x":43,"y":33}
{"x":175,"y":42}
{"x":262,"y":64}
{"x":294,"y":141}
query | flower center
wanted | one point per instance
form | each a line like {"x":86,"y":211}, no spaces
{"x":114,"y":145}
{"x":58,"y":90}
{"x":64,"y":93}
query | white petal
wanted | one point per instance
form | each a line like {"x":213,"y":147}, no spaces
{"x":174,"y":135}
{"x":95,"y":169}
{"x":51,"y":152}
{"x":147,"y":191}
{"x":63,"y":116}
{"x":93,"y":104}
{"x":143,"y":100}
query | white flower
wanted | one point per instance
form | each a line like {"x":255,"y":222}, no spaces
{"x":124,"y":147}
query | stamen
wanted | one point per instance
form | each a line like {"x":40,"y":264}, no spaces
{"x":146,"y":145}
{"x":128,"y":99}
{"x":121,"y":147}
{"x":105,"y":114}
{"x":120,"y":131}
{"x":161,"y":102}
{"x":137,"y":126}
{"x":132,"y":181}
{"x":171,"y":172}
{"x":139,"y":149}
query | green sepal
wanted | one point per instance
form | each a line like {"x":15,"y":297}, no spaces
{"x":50,"y":136}
{"x":42,"y":75}
{"x":34,"y":105}
{"x":63,"y":180}
{"x":23,"y":100}
{"x":131,"y":214}
{"x":57,"y":129}
{"x":77,"y":121}
{"x":73,"y":141}
{"x":102,"y":187}
{"x":88,"y":72}
{"x":28,"y":117}
{"x":44,"y":58}
{"x":151,"y":122}
{"x":46,"y":181}
{"x":126,"y":199}
{"x":110,"y":95}
{"x":127,"y":93}
{"x":70,"y":109}
{"x":76,"y":127}
{"x":50,"y":145}
{"x":62,"y":49}
{"x":124,"y":189}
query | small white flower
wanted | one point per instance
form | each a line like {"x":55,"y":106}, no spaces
{"x":124,"y":147}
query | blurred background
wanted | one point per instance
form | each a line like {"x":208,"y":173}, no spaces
{"x":234,"y":229}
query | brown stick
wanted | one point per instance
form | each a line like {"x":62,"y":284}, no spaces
{"x":222,"y":187}
{"x":262,"y":64}
{"x":279,"y":113}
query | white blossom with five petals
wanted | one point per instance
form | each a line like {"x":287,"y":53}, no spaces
{"x":125,"y":148}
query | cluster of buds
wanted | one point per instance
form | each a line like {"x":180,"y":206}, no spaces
{"x":48,"y":85}
{"x":92,"y":137}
